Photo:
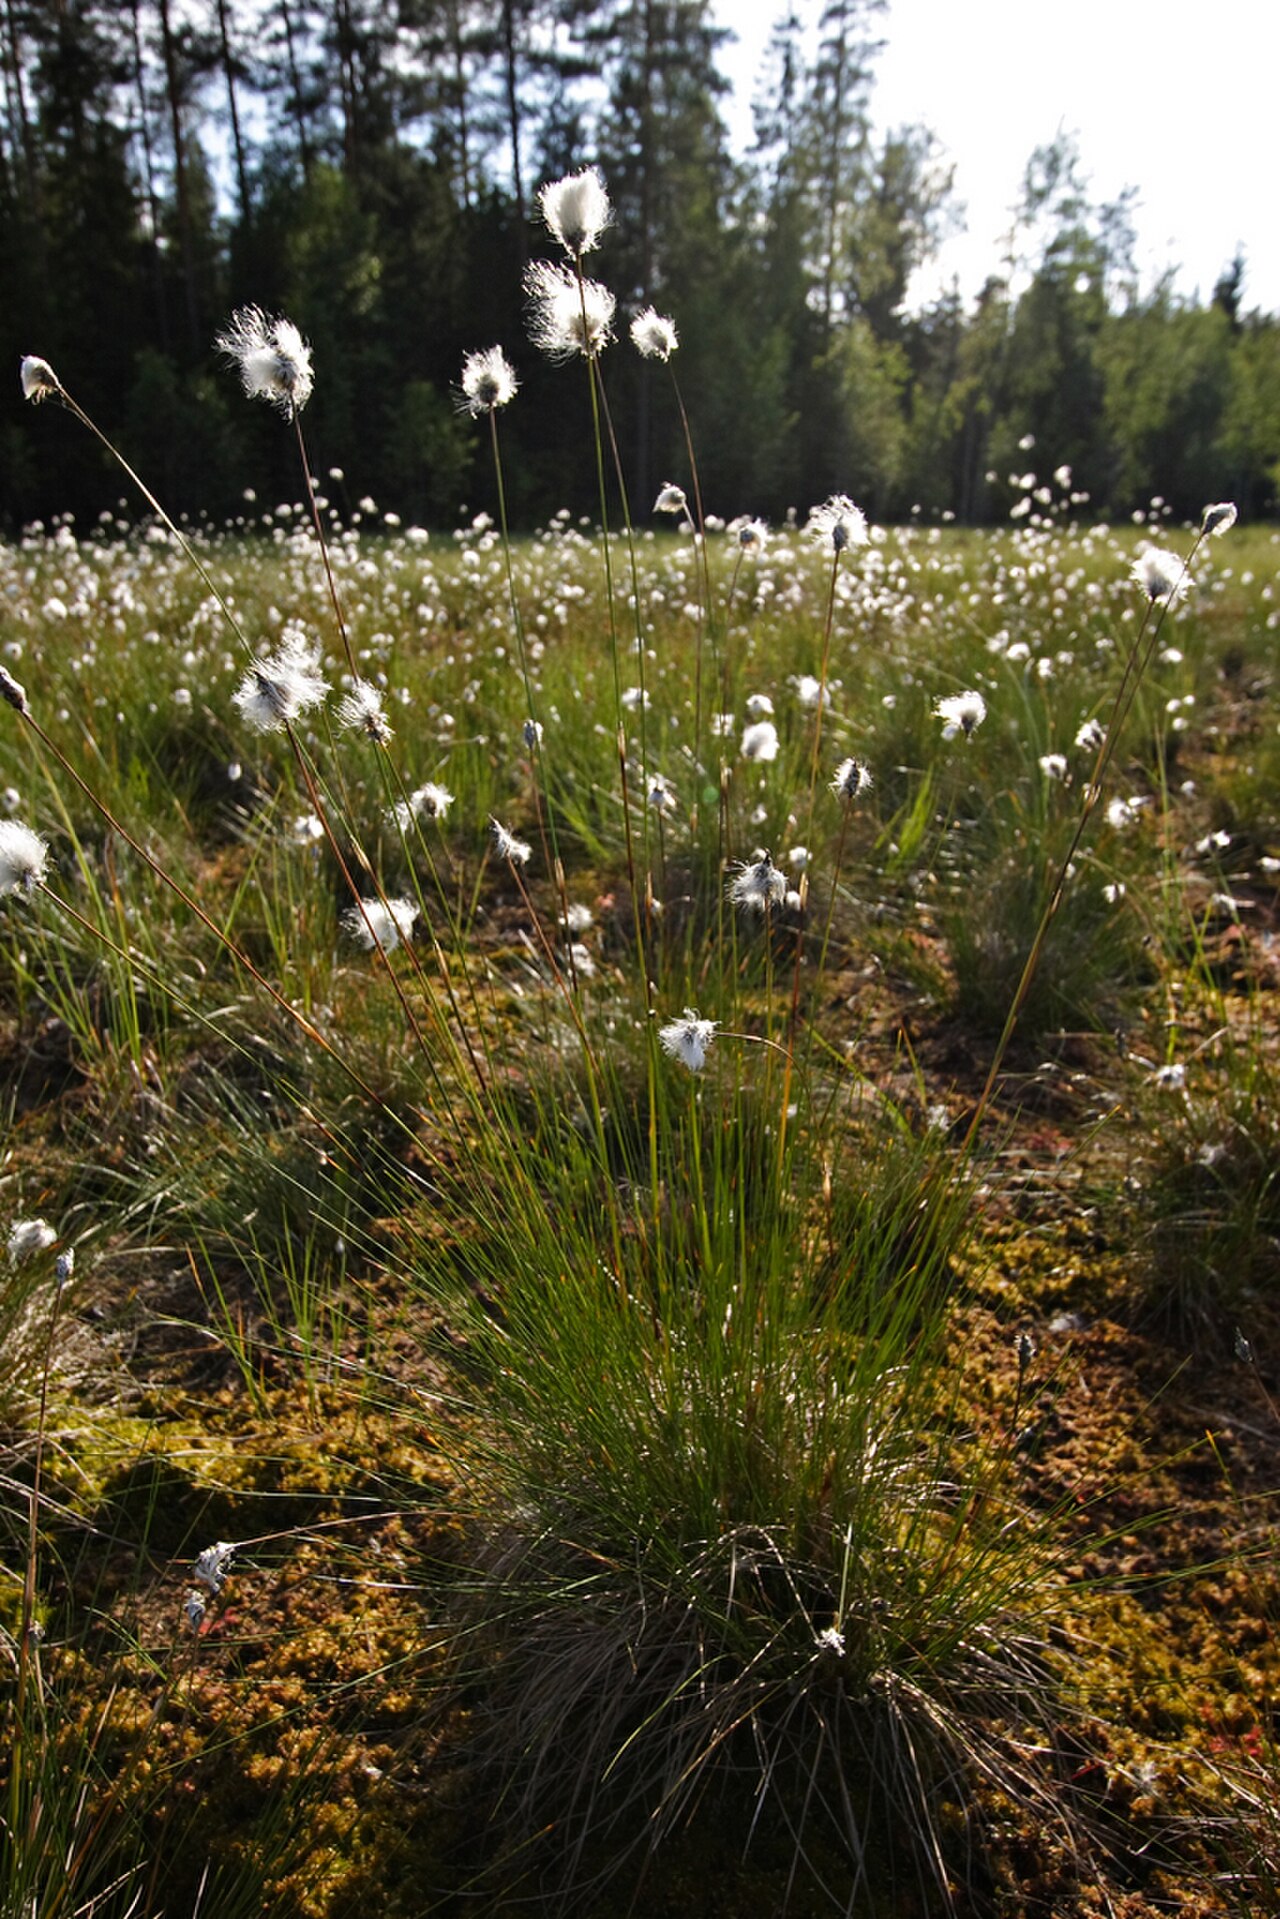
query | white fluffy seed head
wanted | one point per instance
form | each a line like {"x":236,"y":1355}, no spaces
{"x":653,"y":335}
{"x":488,"y":381}
{"x":566,"y":317}
{"x":1161,"y":575}
{"x":362,"y":710}
{"x":576,"y":210}
{"x":961,"y":713}
{"x":687,"y":1039}
{"x":39,"y":381}
{"x":273,"y":359}
{"x":760,"y":741}
{"x":757,"y":885}
{"x":24,"y":857}
{"x":27,"y":1237}
{"x":508,"y":847}
{"x":852,"y":778}
{"x":279,"y":687}
{"x":381,"y":923}
{"x":838,"y":523}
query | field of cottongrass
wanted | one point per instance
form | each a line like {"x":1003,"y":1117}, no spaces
{"x":641,"y":1184}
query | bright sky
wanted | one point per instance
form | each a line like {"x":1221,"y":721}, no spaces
{"x":1176,"y":99}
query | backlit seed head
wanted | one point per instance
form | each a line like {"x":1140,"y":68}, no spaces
{"x":273,"y":359}
{"x":1161,"y":575}
{"x":653,"y":335}
{"x":564,"y":317}
{"x":838,"y":523}
{"x":577,"y":210}
{"x":488,"y":381}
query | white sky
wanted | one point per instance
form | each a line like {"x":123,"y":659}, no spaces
{"x":1173,"y":97}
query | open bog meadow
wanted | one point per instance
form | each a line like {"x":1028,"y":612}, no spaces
{"x":641,"y":1172}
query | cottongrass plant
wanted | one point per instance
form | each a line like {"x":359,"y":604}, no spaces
{"x":733,"y":1540}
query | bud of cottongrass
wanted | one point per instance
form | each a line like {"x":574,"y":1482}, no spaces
{"x":688,"y":1038}
{"x":39,"y":381}
{"x":273,"y":358}
{"x":1218,"y":519}
{"x":193,"y":1612}
{"x":577,"y":210}
{"x":1243,"y":1349}
{"x":1026,"y":1350}
{"x":654,"y":336}
{"x":488,"y":381}
{"x":23,"y":858}
{"x":64,"y":1265}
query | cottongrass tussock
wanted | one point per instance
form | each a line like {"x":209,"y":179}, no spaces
{"x":271,"y":357}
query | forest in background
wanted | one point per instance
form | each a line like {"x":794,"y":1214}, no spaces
{"x":382,"y":166}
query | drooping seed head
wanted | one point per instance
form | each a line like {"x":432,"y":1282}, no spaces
{"x":39,"y":381}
